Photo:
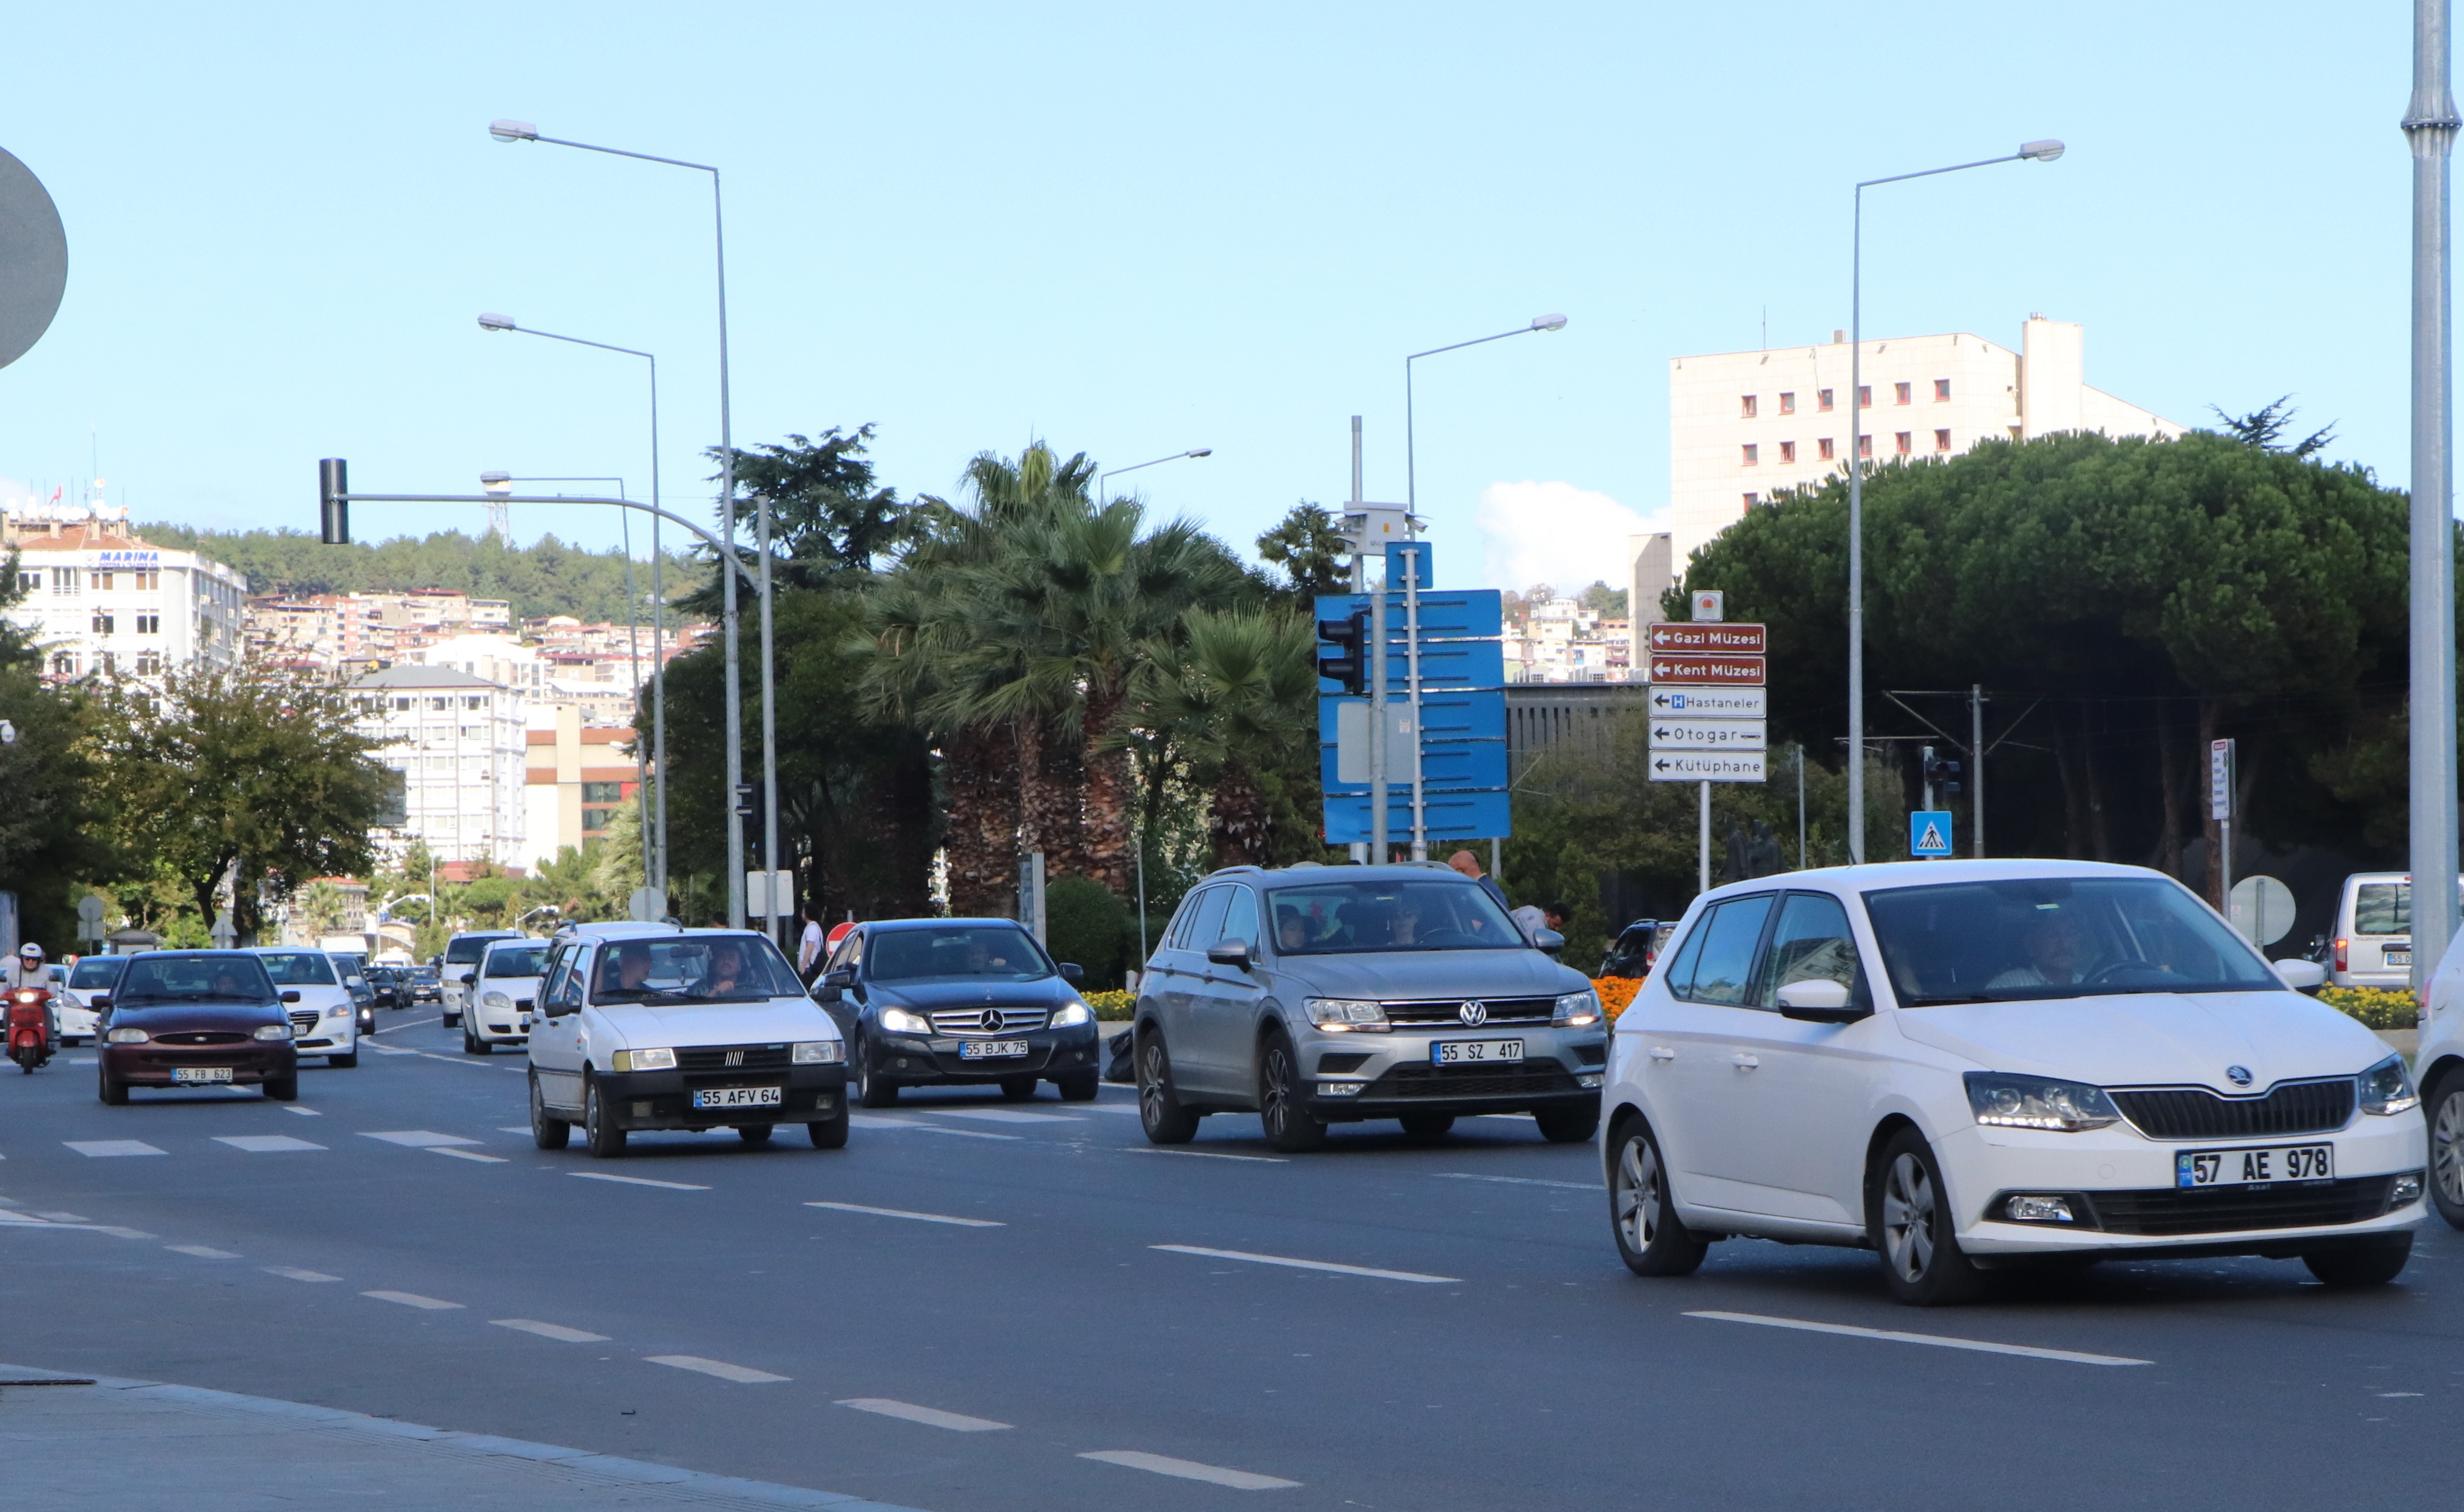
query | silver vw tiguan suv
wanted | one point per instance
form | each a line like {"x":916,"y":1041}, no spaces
{"x":1324,"y":995}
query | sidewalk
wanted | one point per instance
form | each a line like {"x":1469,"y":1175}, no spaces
{"x":137,"y":1446}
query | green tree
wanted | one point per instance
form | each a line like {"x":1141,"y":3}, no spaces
{"x":1237,"y":699}
{"x":1313,"y":551}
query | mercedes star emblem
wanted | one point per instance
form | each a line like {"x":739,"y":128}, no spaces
{"x":1473,"y":1013}
{"x":992,"y":1021}
{"x":2239,"y":1075}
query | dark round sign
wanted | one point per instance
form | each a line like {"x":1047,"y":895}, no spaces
{"x":33,"y":259}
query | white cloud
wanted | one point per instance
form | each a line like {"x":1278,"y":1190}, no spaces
{"x":1557,"y":533}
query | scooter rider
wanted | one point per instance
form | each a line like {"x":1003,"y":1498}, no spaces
{"x":28,"y":971}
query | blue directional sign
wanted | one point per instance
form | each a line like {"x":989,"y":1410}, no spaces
{"x":1930,"y":833}
{"x":1452,"y":815}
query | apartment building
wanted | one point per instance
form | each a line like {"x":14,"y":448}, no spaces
{"x":96,"y":597}
{"x":577,"y":775}
{"x":458,"y":741}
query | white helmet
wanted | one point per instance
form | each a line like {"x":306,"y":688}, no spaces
{"x":31,"y":951}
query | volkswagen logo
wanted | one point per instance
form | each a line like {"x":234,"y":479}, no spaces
{"x":2239,"y":1075}
{"x":1473,"y":1013}
{"x":992,"y":1021}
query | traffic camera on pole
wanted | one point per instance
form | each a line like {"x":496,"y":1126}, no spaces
{"x":1348,"y":666}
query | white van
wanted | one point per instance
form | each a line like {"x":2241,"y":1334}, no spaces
{"x":503,"y":995}
{"x":2372,"y":943}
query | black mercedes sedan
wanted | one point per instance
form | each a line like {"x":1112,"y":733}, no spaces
{"x":932,"y":1002}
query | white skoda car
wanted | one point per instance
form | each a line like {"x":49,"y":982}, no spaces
{"x":1968,"y":1065}
{"x":323,"y":1021}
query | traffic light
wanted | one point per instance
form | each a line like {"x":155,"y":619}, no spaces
{"x":1348,"y":666}
{"x":1940,"y":776}
{"x":332,"y":506}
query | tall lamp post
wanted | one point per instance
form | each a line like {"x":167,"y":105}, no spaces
{"x":1178,"y":456}
{"x":524,"y":131}
{"x":2430,"y":126}
{"x":657,"y":879}
{"x":2045,"y":151}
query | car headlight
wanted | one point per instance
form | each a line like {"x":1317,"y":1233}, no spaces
{"x":646,"y":1059}
{"x":1337,"y":1015}
{"x":2005,"y":1101}
{"x":2386,"y":1088}
{"x":1071,"y":1017}
{"x":819,"y":1052}
{"x":898,"y":1020}
{"x":498,"y":1001}
{"x":139,"y":1035}
{"x":1574,"y":1010}
{"x":264,"y":1031}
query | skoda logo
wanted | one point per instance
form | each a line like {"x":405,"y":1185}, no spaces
{"x":2239,"y":1075}
{"x":992,"y":1021}
{"x":1473,"y":1013}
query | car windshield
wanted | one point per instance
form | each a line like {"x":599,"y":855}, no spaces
{"x":978,"y":951}
{"x":421,"y":974}
{"x":156,"y":980}
{"x":1351,"y":918}
{"x":97,"y":970}
{"x":466,"y":950}
{"x":298,"y":968}
{"x":2036,"y":938}
{"x":517,"y":960}
{"x":725,"y":968}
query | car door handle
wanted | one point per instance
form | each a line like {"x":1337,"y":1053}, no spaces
{"x":1662,"y":1052}
{"x":1743,"y":1062}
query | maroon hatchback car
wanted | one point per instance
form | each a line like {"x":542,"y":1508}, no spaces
{"x":196,"y":1018}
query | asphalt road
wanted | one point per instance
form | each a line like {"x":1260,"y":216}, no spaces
{"x":979,"y":1305}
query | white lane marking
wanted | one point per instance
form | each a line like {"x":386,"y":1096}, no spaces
{"x":1524,"y":1181}
{"x":1937,"y":1340}
{"x":106,"y":1149}
{"x":417,"y":1138}
{"x":1205,"y":1154}
{"x":64,"y":1217}
{"x":718,"y":1368}
{"x":120,"y":1232}
{"x":1190,"y":1469}
{"x":388,"y":1049}
{"x":929,"y":1416}
{"x":304,"y":1112}
{"x":550,"y":1331}
{"x":81,"y":1060}
{"x":513,"y":1129}
{"x":413,"y":1023}
{"x":264,"y":1144}
{"x":201,"y":1251}
{"x":1310,"y":1264}
{"x":466,"y":1155}
{"x":902,"y":1213}
{"x":411,"y":1299}
{"x":1125,"y":1109}
{"x":492,"y":1063}
{"x":635,"y":1181}
{"x":1002,"y":1115}
{"x":874,"y":1120}
{"x":295,"y":1273}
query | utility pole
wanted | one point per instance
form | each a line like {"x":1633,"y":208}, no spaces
{"x":1977,"y":761}
{"x":1377,"y":849}
{"x":2430,"y":126}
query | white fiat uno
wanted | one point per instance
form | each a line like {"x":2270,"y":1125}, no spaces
{"x":1966,"y":1064}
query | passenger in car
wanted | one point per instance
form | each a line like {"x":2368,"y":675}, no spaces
{"x":2052,"y":941}
{"x":1291,"y":931}
{"x":631,"y":970}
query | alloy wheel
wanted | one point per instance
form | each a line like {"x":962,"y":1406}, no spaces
{"x":2446,"y":1144}
{"x":1907,"y":1218}
{"x":1151,"y":1084}
{"x":1278,"y":1090}
{"x":1637,"y":1194}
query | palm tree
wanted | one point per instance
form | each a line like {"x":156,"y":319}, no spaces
{"x":1237,"y":699}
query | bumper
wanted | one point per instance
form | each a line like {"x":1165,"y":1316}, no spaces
{"x":638,"y":1100}
{"x":1388,"y":1075}
{"x":153,"y":1064}
{"x":2121,"y":1193}
{"x":499,"y":1025}
{"x":941,"y":1062}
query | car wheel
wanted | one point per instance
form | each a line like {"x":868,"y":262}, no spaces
{"x":1160,"y":1111}
{"x":450,"y":1020}
{"x":282,"y":1089}
{"x":1568,"y":1126}
{"x":756,"y":1133}
{"x":1017,"y":1088}
{"x":2354,"y":1266}
{"x":599,"y":1130}
{"x":547,"y":1130}
{"x":111,"y":1090}
{"x":2445,"y":1109}
{"x":1282,"y":1106}
{"x":1427,"y":1129}
{"x":831,"y":1133}
{"x":1908,"y":1217}
{"x":1078,"y":1086}
{"x":872,"y":1088}
{"x":1649,"y":1239}
{"x":343,"y":1062}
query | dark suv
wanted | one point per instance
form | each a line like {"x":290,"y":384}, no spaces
{"x":1322,"y":994}
{"x":954,"y":1002}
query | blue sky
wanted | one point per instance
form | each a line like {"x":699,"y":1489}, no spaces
{"x":1134,"y":229}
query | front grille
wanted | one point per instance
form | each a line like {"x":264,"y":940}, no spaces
{"x":2193,"y":1112}
{"x":734,"y":1057}
{"x":1449,"y":1010}
{"x":1004,"y":1021}
{"x":2223,"y":1210}
{"x":1532,"y":1079}
{"x":203,"y":1036}
{"x":303,"y":1022}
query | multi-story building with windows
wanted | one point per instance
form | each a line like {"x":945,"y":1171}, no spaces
{"x":458,"y":742}
{"x":579,"y":777}
{"x":95,"y":598}
{"x":1745,"y":424}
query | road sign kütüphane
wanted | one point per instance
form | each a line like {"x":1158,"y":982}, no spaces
{"x":1707,"y":766}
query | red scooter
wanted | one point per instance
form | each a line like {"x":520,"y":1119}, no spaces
{"x":30,"y":1027}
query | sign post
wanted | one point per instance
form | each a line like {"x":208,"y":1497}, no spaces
{"x":2220,"y":801}
{"x":1708,"y":706}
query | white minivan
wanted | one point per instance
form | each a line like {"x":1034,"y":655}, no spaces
{"x":2441,"y":1064}
{"x":2372,"y":943}
{"x":503,"y":993}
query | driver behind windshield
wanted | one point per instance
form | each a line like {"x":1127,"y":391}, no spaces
{"x":726,"y":964}
{"x":2055,"y":954}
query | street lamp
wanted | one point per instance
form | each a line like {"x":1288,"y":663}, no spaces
{"x":2043,"y":151}
{"x":1178,"y":456}
{"x":657,"y":880}
{"x":548,"y":908}
{"x":1411,"y":474}
{"x":525,"y":131}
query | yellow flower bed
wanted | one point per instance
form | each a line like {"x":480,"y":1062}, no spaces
{"x":1615,"y":992}
{"x":2378,"y":1007}
{"x":1118,"y":1006}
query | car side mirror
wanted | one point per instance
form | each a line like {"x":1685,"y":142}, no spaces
{"x":1548,"y":942}
{"x":843,"y":976}
{"x":1818,"y":1000}
{"x":99,"y":1001}
{"x":1071,"y":971}
{"x":1230,"y":952}
{"x":2302,"y":976}
{"x":290,"y":996}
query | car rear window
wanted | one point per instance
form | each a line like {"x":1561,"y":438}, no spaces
{"x":517,"y":960}
{"x":97,"y":970}
{"x":468,"y":950}
{"x":298,"y":968}
{"x":154,"y":981}
{"x":2382,"y":908}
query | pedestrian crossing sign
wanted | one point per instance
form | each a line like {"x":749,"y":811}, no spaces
{"x":1929,"y":834}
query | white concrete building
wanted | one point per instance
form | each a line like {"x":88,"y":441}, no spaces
{"x":579,"y":775}
{"x":1743,"y":424}
{"x":97,"y":598}
{"x":459,"y":744}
